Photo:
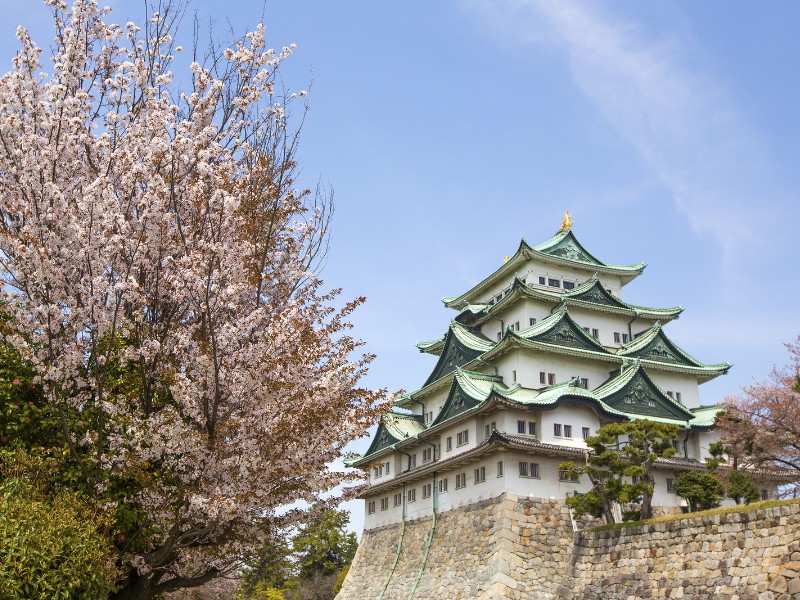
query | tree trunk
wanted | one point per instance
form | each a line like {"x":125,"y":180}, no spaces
{"x":136,"y":587}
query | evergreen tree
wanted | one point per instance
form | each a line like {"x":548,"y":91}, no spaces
{"x":700,"y":489}
{"x":622,"y":451}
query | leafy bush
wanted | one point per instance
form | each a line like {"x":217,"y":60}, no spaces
{"x":50,"y":543}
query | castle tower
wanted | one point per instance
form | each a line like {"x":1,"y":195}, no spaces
{"x":541,"y":354}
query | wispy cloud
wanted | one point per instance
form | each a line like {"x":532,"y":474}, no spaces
{"x":680,"y":121}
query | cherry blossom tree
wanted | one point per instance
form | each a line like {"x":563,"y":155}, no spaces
{"x":160,"y":275}
{"x":760,"y":428}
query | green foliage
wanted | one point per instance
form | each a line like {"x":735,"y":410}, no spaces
{"x":52,"y":543}
{"x":322,"y":545}
{"x":313,"y":569}
{"x":340,"y":579}
{"x":622,"y":451}
{"x":267,"y":568}
{"x":741,"y":488}
{"x":700,"y":489}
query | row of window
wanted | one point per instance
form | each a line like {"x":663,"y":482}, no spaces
{"x":623,"y":338}
{"x":479,"y":476}
{"x":462,"y":439}
{"x":549,"y":281}
{"x":564,"y":430}
{"x":381,"y":469}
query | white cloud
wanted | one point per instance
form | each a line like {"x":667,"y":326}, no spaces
{"x":681,"y":122}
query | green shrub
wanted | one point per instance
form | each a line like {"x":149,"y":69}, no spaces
{"x":50,"y":545}
{"x":700,"y":489}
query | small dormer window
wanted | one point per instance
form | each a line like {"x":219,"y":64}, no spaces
{"x":541,"y":281}
{"x":568,"y":285}
{"x":554,"y":283}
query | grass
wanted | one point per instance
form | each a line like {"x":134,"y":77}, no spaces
{"x":724,"y":510}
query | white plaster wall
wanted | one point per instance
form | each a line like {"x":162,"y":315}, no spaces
{"x":471,"y":426}
{"x":678,"y":382}
{"x":529,"y":363}
{"x":577,"y":416}
{"x":548,"y":484}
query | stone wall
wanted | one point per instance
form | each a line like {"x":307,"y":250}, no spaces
{"x":518,"y":547}
{"x":747,"y":555}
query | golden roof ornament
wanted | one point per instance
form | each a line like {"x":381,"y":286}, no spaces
{"x":566,"y":222}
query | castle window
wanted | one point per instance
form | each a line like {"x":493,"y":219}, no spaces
{"x":531,"y":427}
{"x":567,"y":476}
{"x":551,"y":378}
{"x":516,"y":326}
{"x":568,"y":285}
{"x":489,"y":428}
{"x":442,"y":486}
{"x":387,"y":465}
{"x":370,"y":508}
{"x":398,"y":499}
{"x":480,"y":474}
{"x":426,"y":491}
{"x":412,"y":461}
{"x":676,"y":444}
{"x":541,"y":280}
{"x":521,"y":427}
{"x":553,"y":283}
{"x":531,"y":321}
{"x":461,"y":480}
{"x":527,"y":469}
{"x":375,"y":471}
{"x":542,"y":377}
{"x":411,"y":495}
{"x":514,"y":376}
{"x":678,"y":397}
{"x":670,"y":483}
{"x":385,"y":503}
{"x":449,"y":444}
{"x":557,"y":429}
{"x":765,"y":494}
{"x":585,"y":383}
{"x":427,"y":455}
{"x":462,"y":438}
{"x":380,"y":470}
{"x":595,"y":334}
{"x":616,"y":337}
{"x":670,"y":394}
{"x":585,"y":432}
{"x":625,"y":338}
{"x":568,"y":431}
{"x":499,"y":468}
{"x":499,"y":335}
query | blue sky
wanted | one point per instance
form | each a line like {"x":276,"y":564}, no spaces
{"x":451,"y":129}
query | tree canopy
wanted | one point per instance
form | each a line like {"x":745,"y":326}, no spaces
{"x":161,"y":285}
{"x":760,"y":427}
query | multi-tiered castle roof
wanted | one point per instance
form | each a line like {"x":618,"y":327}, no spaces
{"x":541,"y":353}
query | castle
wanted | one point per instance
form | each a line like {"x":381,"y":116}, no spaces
{"x":541,"y":354}
{"x":465,"y":499}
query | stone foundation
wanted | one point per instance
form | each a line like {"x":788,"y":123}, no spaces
{"x":519,"y":548}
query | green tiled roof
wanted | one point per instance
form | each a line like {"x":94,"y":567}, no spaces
{"x":634,"y":392}
{"x":704,"y":416}
{"x":590,"y":295}
{"x":563,"y":249}
{"x":469,"y":390}
{"x":461,"y":346}
{"x":393,"y":428}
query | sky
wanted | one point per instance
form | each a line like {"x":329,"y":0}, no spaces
{"x":449,"y":130}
